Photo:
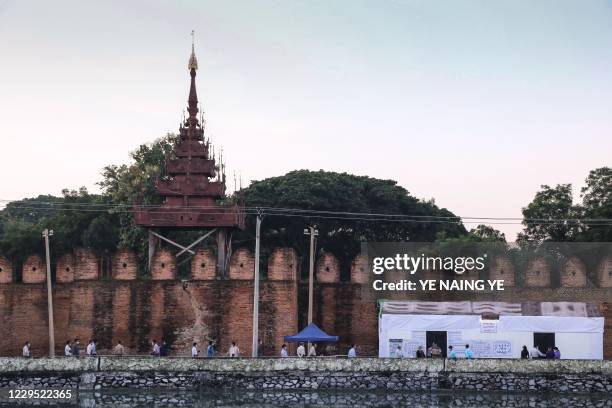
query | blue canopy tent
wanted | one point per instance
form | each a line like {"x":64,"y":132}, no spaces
{"x":311,"y":333}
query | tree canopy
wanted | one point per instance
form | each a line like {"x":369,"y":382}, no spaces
{"x":334,"y":202}
{"x":553,"y":216}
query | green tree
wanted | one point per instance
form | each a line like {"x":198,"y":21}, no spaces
{"x":597,"y":205}
{"x":342,"y":192}
{"x":546,"y":216}
{"x":487,"y":233}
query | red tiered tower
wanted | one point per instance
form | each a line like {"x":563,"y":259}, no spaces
{"x":191,"y":194}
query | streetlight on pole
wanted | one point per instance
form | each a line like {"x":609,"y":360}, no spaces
{"x":46,"y":234}
{"x":313,"y":233}
{"x":256,"y":285}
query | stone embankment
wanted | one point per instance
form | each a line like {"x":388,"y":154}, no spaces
{"x":566,"y":376}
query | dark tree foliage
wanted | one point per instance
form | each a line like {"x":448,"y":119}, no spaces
{"x":597,"y":204}
{"x":487,"y":233}
{"x":546,"y":216}
{"x":341,"y":192}
{"x":105,"y":222}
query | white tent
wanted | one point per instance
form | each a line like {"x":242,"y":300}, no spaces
{"x":578,"y":337}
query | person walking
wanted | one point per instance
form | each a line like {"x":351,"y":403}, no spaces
{"x":451,"y":353}
{"x":312,"y":352}
{"x":76,"y":348}
{"x":25,"y":352}
{"x":194,"y":350}
{"x":468,"y":352}
{"x":420,"y":353}
{"x":398,"y":352}
{"x":283,"y":352}
{"x":352,"y":353}
{"x":301,"y":351}
{"x":525,"y":353}
{"x":155,"y":351}
{"x":234,"y":351}
{"x":68,"y":349}
{"x":210,"y":350}
{"x":89,"y":348}
{"x":119,"y":350}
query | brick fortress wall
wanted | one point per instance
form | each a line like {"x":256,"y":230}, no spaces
{"x":210,"y":308}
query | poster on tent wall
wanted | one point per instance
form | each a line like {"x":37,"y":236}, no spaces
{"x":393,"y":346}
{"x":488,"y":326}
{"x":412,"y":345}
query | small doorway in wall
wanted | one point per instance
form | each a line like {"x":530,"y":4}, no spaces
{"x":543,"y":341}
{"x":438,"y":337}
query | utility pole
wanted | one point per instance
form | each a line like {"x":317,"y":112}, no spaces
{"x":256,"y":285}
{"x":313,"y":233}
{"x":46,"y":234}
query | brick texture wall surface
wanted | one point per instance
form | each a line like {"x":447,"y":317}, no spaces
{"x":125,"y":265}
{"x":242,"y":265}
{"x":86,"y":266}
{"x":502,"y":269}
{"x":604,"y":273}
{"x":136,"y":311}
{"x":163,"y":265}
{"x":359,"y":270}
{"x":64,"y":271}
{"x":33,"y":270}
{"x":537,"y":273}
{"x":573,"y":273}
{"x":283,"y":265}
{"x":204,"y":265}
{"x":327,"y":269}
{"x":6,"y":270}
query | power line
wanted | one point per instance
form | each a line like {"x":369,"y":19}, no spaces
{"x":309,"y":214}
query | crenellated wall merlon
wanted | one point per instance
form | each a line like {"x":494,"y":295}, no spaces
{"x":284,"y":265}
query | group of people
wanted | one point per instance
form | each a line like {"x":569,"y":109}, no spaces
{"x":234,"y":351}
{"x":72,"y":348}
{"x":552,"y":353}
{"x":435,"y":351}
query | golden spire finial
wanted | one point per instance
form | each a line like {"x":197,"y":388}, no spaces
{"x":193,"y":61}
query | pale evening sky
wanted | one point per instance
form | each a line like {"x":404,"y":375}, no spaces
{"x":474,"y":103}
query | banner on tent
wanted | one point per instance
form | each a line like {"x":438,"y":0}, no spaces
{"x":488,"y":326}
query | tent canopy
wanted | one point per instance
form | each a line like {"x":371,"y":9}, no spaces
{"x":311,"y":333}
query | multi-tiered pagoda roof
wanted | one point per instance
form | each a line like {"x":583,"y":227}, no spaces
{"x":196,"y":182}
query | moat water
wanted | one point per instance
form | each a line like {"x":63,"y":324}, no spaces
{"x":337,"y":398}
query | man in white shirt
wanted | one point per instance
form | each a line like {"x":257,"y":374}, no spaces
{"x":352,"y":351}
{"x":26,"y":349}
{"x":68,"y":349}
{"x":156,"y":350}
{"x":194,"y":350}
{"x":284,"y":351}
{"x":90,"y":348}
{"x":536,"y":353}
{"x":301,"y":351}
{"x":312,"y":351}
{"x":234,"y":351}
{"x":398,"y":352}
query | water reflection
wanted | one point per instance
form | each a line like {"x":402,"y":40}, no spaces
{"x":344,"y":398}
